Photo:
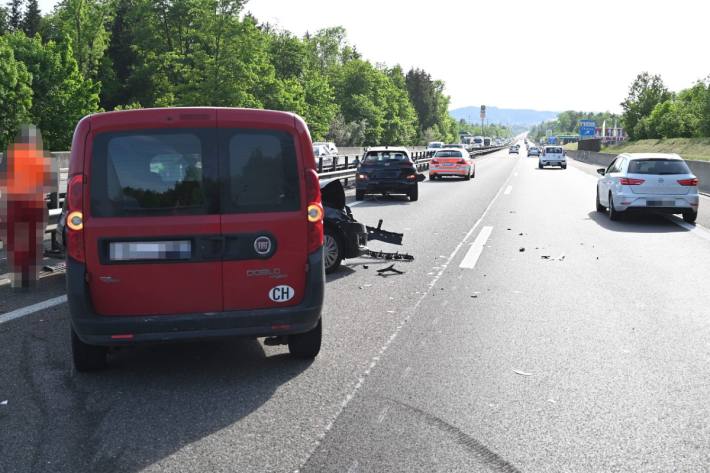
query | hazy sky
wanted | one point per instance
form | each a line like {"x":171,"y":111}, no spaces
{"x":542,"y":54}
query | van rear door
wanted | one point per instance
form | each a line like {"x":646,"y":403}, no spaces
{"x":264,"y":221}
{"x":153,"y":236}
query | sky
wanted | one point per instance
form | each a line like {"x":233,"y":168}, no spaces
{"x":539,"y":54}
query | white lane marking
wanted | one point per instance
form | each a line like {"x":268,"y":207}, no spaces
{"x":361,"y":380}
{"x":31,"y":309}
{"x":508,"y":190}
{"x":383,"y":414}
{"x":469,"y":261}
{"x":696,"y":229}
{"x":357,"y":202}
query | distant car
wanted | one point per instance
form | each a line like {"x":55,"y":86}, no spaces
{"x":343,"y":236}
{"x":648,"y":182}
{"x":323,"y":155}
{"x":387,"y":170}
{"x":513,"y":150}
{"x":434,"y":145}
{"x":552,"y":156}
{"x":452,"y":162}
{"x":455,"y":145}
{"x":332,"y":149}
{"x":533,"y":151}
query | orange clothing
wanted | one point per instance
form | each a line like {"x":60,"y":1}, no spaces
{"x":26,"y":175}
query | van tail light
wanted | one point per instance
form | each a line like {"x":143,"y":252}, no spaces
{"x":75,"y":218}
{"x":630,"y":181}
{"x":315,"y":211}
{"x":689,"y":182}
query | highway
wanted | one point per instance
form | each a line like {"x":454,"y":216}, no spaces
{"x":531,"y":334}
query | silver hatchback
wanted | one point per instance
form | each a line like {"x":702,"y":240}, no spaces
{"x":648,"y":182}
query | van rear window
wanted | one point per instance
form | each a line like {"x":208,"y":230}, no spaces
{"x":150,"y":173}
{"x":658,"y":166}
{"x":263,"y":171}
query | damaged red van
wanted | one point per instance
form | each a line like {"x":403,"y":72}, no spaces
{"x":192,"y":223}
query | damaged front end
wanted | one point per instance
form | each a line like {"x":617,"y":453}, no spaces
{"x":345,"y":237}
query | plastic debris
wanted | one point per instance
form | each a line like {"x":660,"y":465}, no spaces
{"x":545,"y":256}
{"x":3,"y":403}
{"x":364,"y":266}
{"x":389,"y":269}
{"x":521,"y":250}
{"x":522,"y":373}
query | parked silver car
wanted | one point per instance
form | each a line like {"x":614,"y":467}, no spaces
{"x":648,"y":182}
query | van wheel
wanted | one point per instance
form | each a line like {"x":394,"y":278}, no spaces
{"x":359,"y":195}
{"x":332,"y":250}
{"x":600,"y":207}
{"x":691,"y":216}
{"x":414,"y":194}
{"x":87,"y":357}
{"x":306,"y":345}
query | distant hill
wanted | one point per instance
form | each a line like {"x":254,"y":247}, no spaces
{"x":506,"y":116}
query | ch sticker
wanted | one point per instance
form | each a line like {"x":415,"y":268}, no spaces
{"x":281,"y":293}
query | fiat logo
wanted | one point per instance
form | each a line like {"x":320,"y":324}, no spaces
{"x":262,"y":245}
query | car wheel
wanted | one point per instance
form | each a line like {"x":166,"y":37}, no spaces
{"x":467,"y":177}
{"x":613,"y":213}
{"x":414,"y":194}
{"x":87,"y":357}
{"x":539,"y":165}
{"x":564,"y":166}
{"x":432,"y":177}
{"x":332,"y":250}
{"x":600,"y":207}
{"x":690,"y":216}
{"x":306,"y":345}
{"x":359,"y":195}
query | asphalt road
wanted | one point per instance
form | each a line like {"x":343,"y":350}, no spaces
{"x":566,"y":342}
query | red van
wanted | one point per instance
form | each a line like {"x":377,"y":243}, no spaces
{"x":191,"y":223}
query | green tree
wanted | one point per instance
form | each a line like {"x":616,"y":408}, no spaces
{"x":15,"y":93}
{"x":61,"y":95}
{"x":14,"y":20}
{"x":33,"y":17}
{"x":4,"y":19}
{"x":645,"y":93}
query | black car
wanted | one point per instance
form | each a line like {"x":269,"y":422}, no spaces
{"x":344,"y":237}
{"x":387,"y":171}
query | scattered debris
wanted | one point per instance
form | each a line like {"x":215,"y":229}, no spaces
{"x":521,"y":250}
{"x":388,"y":256}
{"x":545,"y":256}
{"x":3,"y":403}
{"x":364,"y":266}
{"x":389,"y":269}
{"x":521,"y":234}
{"x":597,"y":257}
{"x":522,"y":373}
{"x":509,"y":229}
{"x":474,"y":296}
{"x":561,"y":257}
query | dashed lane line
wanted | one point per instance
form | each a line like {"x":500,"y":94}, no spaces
{"x":469,"y":261}
{"x":508,"y":190}
{"x":31,"y":309}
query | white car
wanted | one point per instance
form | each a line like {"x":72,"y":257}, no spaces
{"x":434,"y":145}
{"x":329,"y":145}
{"x":323,"y":155}
{"x":650,"y":182}
{"x":552,"y":156}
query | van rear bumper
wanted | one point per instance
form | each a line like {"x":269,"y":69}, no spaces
{"x":95,"y":329}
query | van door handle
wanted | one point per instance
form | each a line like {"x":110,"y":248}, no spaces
{"x":211,"y":247}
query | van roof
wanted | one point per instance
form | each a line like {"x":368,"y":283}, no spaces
{"x":184,"y":115}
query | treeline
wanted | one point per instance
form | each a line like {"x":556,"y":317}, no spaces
{"x":93,"y":55}
{"x":652,"y":111}
{"x":567,"y":123}
{"x":493,"y":130}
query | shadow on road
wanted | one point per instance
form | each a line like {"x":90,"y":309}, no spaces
{"x":151,"y":402}
{"x":637,"y":223}
{"x":379,"y":200}
{"x":342,"y":272}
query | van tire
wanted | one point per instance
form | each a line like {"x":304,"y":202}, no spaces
{"x":691,"y":216}
{"x":332,"y":237}
{"x":359,"y":195}
{"x":306,"y":345}
{"x":87,"y":357}
{"x":414,"y":194}
{"x":600,"y":207}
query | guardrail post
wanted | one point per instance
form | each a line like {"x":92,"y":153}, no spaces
{"x":320,"y":165}
{"x":335,"y":163}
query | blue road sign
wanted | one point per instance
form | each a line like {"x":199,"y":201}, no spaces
{"x":587,"y":128}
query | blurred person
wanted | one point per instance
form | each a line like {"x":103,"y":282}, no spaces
{"x":25,"y":176}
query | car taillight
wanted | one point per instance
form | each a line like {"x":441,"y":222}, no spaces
{"x":434,"y":161}
{"x":315,"y":211}
{"x":75,"y":218}
{"x":362,"y":177}
{"x":461,"y":161}
{"x":411,"y":177}
{"x":689,"y":182}
{"x":630,"y":181}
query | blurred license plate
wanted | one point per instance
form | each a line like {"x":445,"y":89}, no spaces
{"x":660,"y":203}
{"x":150,"y":250}
{"x":447,"y":164}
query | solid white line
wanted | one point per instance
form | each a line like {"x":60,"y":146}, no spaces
{"x":508,"y":190}
{"x":696,"y":229}
{"x":31,"y":309}
{"x":469,"y":261}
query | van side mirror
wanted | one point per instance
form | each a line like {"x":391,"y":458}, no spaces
{"x":420,"y":177}
{"x":601,"y":171}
